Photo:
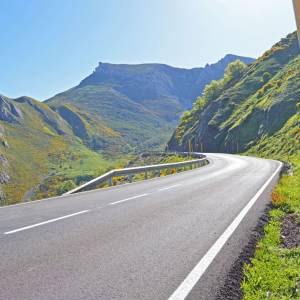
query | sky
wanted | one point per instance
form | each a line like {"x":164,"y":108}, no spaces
{"x":48,"y":46}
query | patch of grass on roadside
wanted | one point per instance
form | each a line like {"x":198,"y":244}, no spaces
{"x":74,"y":166}
{"x":274,"y":272}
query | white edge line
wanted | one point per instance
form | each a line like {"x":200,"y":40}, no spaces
{"x":195,"y":275}
{"x":170,"y":187}
{"x":117,"y":187}
{"x":45,"y":222}
{"x":128,"y":199}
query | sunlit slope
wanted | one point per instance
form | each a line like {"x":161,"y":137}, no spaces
{"x":134,"y":124}
{"x":252,"y":109}
{"x":38,"y":145}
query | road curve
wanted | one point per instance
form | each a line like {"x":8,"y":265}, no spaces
{"x":173,"y":237}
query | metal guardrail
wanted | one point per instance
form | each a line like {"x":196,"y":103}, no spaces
{"x":130,"y":172}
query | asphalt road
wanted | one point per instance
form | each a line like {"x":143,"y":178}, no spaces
{"x":173,"y":237}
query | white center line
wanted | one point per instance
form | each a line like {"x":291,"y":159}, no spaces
{"x":46,"y":222}
{"x":128,"y":199}
{"x":195,"y":275}
{"x":170,"y":187}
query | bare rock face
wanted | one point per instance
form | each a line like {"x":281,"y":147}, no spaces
{"x":3,"y":160}
{"x":4,"y":164}
{"x":9,"y":112}
{"x":3,"y":141}
{"x":2,"y":197}
{"x":4,"y":177}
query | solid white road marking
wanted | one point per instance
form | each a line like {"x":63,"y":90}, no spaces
{"x":170,"y":187}
{"x":128,"y":199}
{"x":46,"y":222}
{"x":195,"y":275}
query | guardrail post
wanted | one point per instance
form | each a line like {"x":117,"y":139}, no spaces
{"x":130,"y":177}
{"x":158,"y":173}
{"x":110,"y":181}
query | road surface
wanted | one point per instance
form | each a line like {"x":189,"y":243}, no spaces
{"x":173,"y":237}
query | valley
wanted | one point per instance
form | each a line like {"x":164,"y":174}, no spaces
{"x":142,"y":158}
{"x":114,"y":114}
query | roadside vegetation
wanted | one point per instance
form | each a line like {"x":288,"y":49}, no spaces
{"x":274,"y":272}
{"x":255,"y":109}
{"x":73,"y":167}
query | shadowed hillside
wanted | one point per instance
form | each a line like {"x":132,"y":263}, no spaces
{"x":137,"y":100}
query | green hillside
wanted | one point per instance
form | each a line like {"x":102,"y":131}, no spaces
{"x":48,"y":148}
{"x":40,"y":154}
{"x":135,"y":101}
{"x":256,"y":110}
{"x":133,"y":123}
{"x":250,"y":108}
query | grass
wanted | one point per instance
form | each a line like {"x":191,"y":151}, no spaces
{"x":45,"y":157}
{"x":274,"y":272}
{"x":133,"y":122}
{"x":256,"y":105}
{"x":78,"y":165}
{"x":260,"y":115}
{"x":74,"y":166}
{"x":42,"y":162}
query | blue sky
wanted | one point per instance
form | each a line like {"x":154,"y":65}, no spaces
{"x":48,"y":46}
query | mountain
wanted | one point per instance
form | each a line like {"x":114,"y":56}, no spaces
{"x":136,"y":100}
{"x":252,"y":108}
{"x":48,"y":147}
{"x":39,"y":152}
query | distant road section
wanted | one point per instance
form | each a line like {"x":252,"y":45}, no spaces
{"x":173,"y":237}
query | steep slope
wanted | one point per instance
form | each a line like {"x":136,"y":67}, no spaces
{"x":37,"y":145}
{"x":138,"y":100}
{"x":256,"y":110}
{"x":252,"y":110}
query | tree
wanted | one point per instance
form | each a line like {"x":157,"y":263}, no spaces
{"x":234,"y":71}
{"x":213,"y":90}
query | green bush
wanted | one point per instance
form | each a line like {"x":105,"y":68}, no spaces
{"x":65,"y":187}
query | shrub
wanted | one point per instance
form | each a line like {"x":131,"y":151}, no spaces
{"x":266,"y":77}
{"x":65,"y":187}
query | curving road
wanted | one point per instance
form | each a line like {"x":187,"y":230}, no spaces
{"x":173,"y":237}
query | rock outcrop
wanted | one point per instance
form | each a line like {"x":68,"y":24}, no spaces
{"x":9,"y":112}
{"x":4,"y":176}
